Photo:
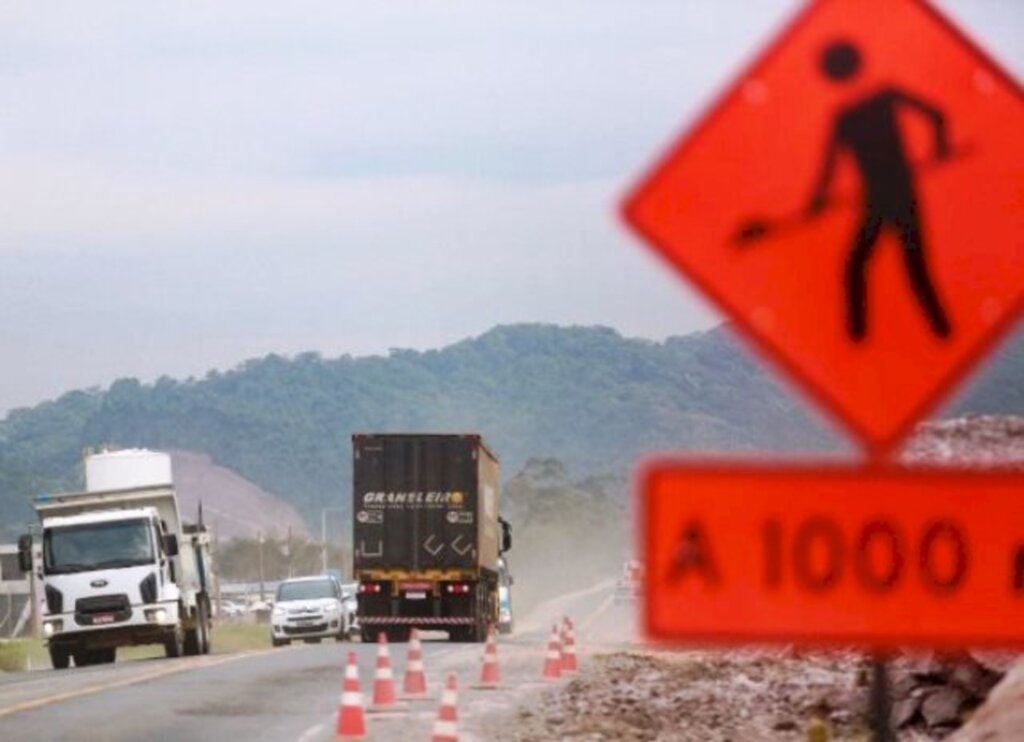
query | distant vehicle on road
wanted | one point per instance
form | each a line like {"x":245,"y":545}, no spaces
{"x":231,"y":609}
{"x":630,"y":584}
{"x":427,"y":535}
{"x":350,"y":597}
{"x":506,"y":621}
{"x":311,"y":609}
{"x":119,"y":567}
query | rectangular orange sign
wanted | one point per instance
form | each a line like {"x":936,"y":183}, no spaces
{"x":824,"y":556}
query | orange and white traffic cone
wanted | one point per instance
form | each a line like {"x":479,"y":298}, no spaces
{"x":384,"y":696}
{"x":415,"y":683}
{"x":490,"y":677}
{"x":568,"y":646}
{"x":446,"y":728}
{"x":351,"y":723}
{"x":553,"y":658}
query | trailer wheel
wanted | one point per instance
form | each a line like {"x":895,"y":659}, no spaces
{"x":191,"y":645}
{"x":462,"y":634}
{"x":204,"y":628}
{"x":60,"y":658}
{"x":174,"y":642}
{"x":479,"y":631}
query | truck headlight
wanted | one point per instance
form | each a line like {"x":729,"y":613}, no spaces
{"x":52,"y":627}
{"x":278,"y":612}
{"x":156,"y":616}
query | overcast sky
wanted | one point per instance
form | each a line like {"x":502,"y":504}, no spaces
{"x":187,"y":185}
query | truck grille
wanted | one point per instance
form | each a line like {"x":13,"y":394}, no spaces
{"x":87,"y":609}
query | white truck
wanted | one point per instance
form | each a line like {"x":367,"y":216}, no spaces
{"x":119,"y":567}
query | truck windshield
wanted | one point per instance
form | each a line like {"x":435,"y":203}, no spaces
{"x":122,"y":543}
{"x":306,"y":590}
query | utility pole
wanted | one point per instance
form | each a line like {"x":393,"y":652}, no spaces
{"x":33,"y":584}
{"x":323,"y":535}
{"x":288,"y":549}
{"x":259,"y":537}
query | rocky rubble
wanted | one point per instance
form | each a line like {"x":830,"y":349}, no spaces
{"x":975,"y":441}
{"x":935,"y":694}
{"x":701,"y":697}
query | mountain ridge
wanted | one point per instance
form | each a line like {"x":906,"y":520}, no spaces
{"x":585,"y":395}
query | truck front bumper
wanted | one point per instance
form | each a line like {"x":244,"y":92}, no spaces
{"x":139,"y":624}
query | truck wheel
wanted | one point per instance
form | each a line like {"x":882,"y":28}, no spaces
{"x":279,"y":642}
{"x":479,"y":631}
{"x":204,"y":628}
{"x":461,"y":634}
{"x":398,"y":634}
{"x":174,"y":643}
{"x":82,"y":658}
{"x":60,"y":658}
{"x":368,"y":636}
{"x":191,"y":646}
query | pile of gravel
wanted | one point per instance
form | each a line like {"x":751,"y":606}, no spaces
{"x":701,"y":696}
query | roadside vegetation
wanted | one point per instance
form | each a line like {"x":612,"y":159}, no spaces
{"x":567,"y":534}
{"x":31,"y":654}
{"x":13,"y":655}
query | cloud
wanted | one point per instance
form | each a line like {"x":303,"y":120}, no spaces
{"x":189,"y":184}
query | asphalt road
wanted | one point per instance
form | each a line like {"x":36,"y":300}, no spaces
{"x":290,"y":693}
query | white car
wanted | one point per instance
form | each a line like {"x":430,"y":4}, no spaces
{"x":231,"y":609}
{"x":350,"y":600}
{"x":310,"y":609}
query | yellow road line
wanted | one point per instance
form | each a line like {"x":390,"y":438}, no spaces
{"x":173,"y":669}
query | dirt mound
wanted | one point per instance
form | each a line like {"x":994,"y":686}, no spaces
{"x":232,"y":505}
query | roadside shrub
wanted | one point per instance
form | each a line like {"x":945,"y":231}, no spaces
{"x":13,"y":656}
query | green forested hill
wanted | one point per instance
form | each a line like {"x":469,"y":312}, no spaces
{"x":587,"y":396}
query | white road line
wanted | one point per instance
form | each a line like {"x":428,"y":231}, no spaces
{"x":311,"y":733}
{"x":598,"y":613}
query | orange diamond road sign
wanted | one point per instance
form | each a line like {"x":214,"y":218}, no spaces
{"x":880,"y":557}
{"x":855,"y":203}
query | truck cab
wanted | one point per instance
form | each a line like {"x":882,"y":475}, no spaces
{"x":119,"y":568}
{"x":107,"y":570}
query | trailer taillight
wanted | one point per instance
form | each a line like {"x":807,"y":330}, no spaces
{"x":369,"y":587}
{"x":459,"y":588}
